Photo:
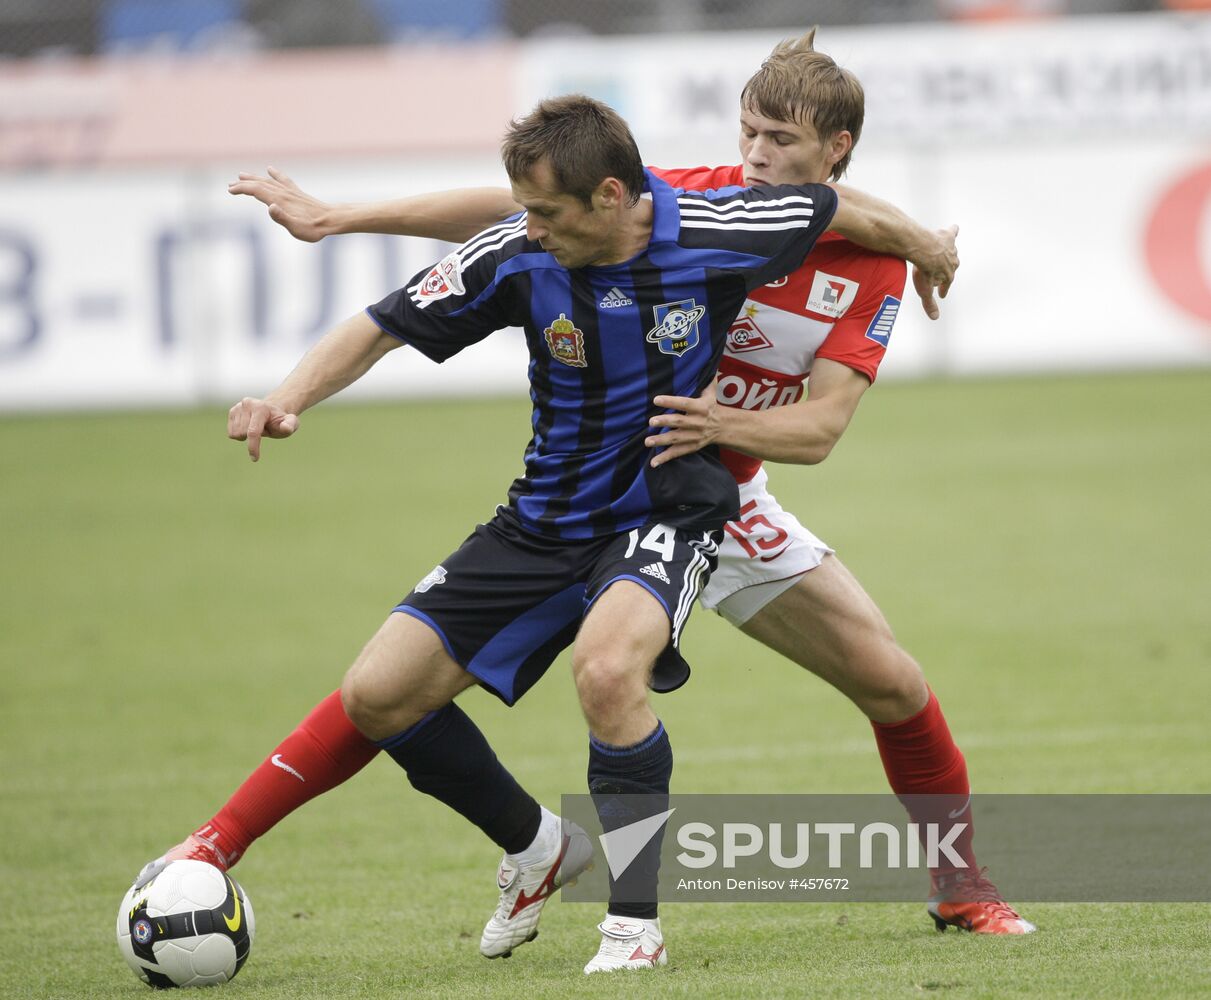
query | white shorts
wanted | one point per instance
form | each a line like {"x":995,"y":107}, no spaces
{"x":762,"y":554}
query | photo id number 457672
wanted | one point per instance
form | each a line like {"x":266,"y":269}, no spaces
{"x":813,"y":884}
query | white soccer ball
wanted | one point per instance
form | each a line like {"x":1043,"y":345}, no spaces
{"x":191,"y":925}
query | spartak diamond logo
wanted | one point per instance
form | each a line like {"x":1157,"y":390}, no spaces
{"x":746,"y":335}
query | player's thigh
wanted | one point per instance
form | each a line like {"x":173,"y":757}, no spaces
{"x":406,"y":659}
{"x":402,"y":673}
{"x":622,"y":635}
{"x":823,"y":621}
{"x":626,"y":628}
{"x":827,"y":623}
{"x":669,"y":567}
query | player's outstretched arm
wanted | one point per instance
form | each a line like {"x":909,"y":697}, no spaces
{"x":341,"y":357}
{"x":879,"y":225}
{"x":454,"y":216}
{"x":803,"y":433}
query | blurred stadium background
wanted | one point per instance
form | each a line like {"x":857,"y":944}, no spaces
{"x":1068,"y":138}
{"x":104,"y":27}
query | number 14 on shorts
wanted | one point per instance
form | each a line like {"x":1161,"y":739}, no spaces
{"x":681,"y":555}
{"x":660,"y":539}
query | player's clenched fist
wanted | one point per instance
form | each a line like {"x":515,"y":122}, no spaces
{"x":251,"y":419}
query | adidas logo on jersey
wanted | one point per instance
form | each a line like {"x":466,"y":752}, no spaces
{"x":614,"y":299}
{"x":656,"y":570}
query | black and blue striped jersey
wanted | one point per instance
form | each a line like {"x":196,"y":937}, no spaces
{"x":605,"y":340}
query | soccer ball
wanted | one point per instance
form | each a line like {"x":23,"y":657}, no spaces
{"x":191,"y":925}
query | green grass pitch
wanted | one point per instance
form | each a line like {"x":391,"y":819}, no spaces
{"x":170,"y":610}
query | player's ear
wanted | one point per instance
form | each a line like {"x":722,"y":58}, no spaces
{"x":608,"y":194}
{"x":839,"y":146}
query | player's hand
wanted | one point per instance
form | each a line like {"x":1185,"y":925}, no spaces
{"x":252,"y":419}
{"x":936,"y":270}
{"x":304,"y":217}
{"x":692,"y":428}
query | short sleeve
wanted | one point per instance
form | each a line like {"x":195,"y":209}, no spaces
{"x":768,"y":230}
{"x":457,"y":302}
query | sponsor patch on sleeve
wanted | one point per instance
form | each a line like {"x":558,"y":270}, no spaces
{"x":880,"y":327}
{"x":831,"y":295}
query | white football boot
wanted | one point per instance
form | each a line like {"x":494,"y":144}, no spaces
{"x":628,"y":943}
{"x":528,"y":879}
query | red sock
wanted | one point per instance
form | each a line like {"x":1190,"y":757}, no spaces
{"x":921,"y":759}
{"x":325,"y":750}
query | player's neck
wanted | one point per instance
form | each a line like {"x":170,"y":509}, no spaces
{"x":632,"y":234}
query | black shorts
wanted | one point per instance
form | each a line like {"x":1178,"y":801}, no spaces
{"x":508,"y":602}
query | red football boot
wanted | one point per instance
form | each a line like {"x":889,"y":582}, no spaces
{"x":970,"y":902}
{"x":192,"y":848}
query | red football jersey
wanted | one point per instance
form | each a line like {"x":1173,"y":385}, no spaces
{"x":840,"y":304}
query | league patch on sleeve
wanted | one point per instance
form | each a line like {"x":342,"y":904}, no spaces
{"x":880,"y":327}
{"x":444,"y":279}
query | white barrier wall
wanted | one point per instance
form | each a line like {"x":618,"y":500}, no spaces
{"x":148,"y":288}
{"x":1074,"y":155}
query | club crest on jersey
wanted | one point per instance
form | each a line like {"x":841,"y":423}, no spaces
{"x":676,"y":329}
{"x":745,"y":335}
{"x":831,"y":295}
{"x":444,"y":278}
{"x":565,"y":342}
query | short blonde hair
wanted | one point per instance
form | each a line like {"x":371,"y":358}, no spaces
{"x":798,"y":84}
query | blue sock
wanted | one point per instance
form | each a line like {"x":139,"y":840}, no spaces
{"x":445,"y":755}
{"x":642,"y":769}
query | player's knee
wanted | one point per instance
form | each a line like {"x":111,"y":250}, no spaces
{"x":353,"y":699}
{"x":375,"y":716}
{"x":607,"y":683}
{"x":897,"y":690}
{"x":907,"y":684}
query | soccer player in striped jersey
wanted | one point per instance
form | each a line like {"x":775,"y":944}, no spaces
{"x":801,"y":115}
{"x":595,"y":543}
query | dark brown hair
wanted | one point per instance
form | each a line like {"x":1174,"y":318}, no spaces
{"x":585,"y":142}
